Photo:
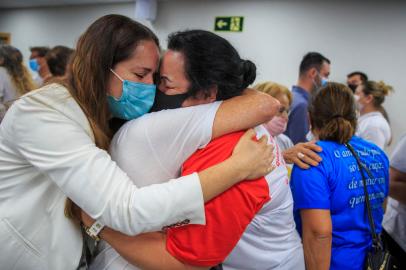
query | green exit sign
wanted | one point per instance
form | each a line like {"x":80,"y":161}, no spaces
{"x":229,"y":24}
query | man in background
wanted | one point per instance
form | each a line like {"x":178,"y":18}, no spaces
{"x":314,"y":71}
{"x":38,"y":64}
{"x":356,"y":78}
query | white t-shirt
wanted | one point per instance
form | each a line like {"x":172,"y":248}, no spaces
{"x":154,"y":147}
{"x":269,"y":242}
{"x":394,"y":220}
{"x":284,"y":142}
{"x":373,"y":127}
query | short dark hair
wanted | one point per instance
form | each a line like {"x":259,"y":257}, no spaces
{"x":57,"y":59}
{"x":211,"y":60}
{"x":363,"y":76}
{"x":41,"y":51}
{"x":312,"y":60}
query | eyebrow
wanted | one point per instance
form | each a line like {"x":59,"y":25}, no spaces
{"x":144,"y":69}
{"x":166,"y":78}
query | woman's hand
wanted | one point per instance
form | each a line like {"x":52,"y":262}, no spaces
{"x":303,"y":154}
{"x":253,"y":157}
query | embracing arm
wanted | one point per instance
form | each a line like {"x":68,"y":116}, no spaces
{"x":317,"y":237}
{"x":242,"y":112}
{"x":147,"y":251}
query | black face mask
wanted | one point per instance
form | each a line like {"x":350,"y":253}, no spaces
{"x":353,"y":87}
{"x":163,"y":101}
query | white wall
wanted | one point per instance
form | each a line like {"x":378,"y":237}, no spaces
{"x":355,"y":35}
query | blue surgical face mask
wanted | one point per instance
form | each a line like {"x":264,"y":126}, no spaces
{"x":323,"y":82}
{"x":34,"y":65}
{"x":135,"y":101}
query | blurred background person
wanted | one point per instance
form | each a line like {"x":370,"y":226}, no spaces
{"x":394,"y":221}
{"x":15,"y":79}
{"x":38,"y":64}
{"x":57,"y":60}
{"x":356,"y":78}
{"x":302,"y":154}
{"x":329,"y":200}
{"x":314,"y":71}
{"x":373,"y":123}
{"x":278,"y":123}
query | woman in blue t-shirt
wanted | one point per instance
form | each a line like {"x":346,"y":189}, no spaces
{"x":329,"y":201}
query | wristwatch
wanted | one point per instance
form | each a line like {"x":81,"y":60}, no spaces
{"x":94,"y":230}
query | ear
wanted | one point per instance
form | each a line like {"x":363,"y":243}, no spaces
{"x":213,"y":94}
{"x":312,"y":73}
{"x":369,"y":99}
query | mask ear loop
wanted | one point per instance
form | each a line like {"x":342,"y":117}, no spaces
{"x":117,"y":75}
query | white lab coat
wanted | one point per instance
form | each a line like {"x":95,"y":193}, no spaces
{"x":47,"y":153}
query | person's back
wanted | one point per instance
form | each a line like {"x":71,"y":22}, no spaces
{"x":344,"y":196}
{"x":271,"y":240}
{"x":250,"y":226}
{"x":329,"y":199}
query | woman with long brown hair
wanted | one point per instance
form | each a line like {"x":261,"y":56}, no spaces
{"x":329,"y":199}
{"x":15,"y":80}
{"x":53,"y":145}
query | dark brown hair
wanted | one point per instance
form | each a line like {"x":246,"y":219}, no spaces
{"x":332,"y":113}
{"x":40,"y":50}
{"x":108,"y":41}
{"x":57,"y":59}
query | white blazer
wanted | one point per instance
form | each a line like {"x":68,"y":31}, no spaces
{"x":47,"y":153}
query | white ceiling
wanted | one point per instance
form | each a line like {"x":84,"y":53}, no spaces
{"x":47,"y":3}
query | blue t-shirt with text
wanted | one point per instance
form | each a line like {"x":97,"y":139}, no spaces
{"x":336,"y":184}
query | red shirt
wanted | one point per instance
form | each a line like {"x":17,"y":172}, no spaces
{"x":227,"y":215}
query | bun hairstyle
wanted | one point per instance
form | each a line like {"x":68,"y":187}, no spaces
{"x":333,"y":113}
{"x":211,"y":61}
{"x":249,"y":73}
{"x":378,"y":90}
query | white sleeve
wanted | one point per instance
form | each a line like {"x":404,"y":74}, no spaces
{"x":171,"y":136}
{"x":61,"y":149}
{"x":398,"y":158}
{"x":374,"y":135}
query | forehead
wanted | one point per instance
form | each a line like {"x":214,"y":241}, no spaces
{"x":283,"y":99}
{"x":355,"y":77}
{"x":145,"y":55}
{"x":173,"y":61}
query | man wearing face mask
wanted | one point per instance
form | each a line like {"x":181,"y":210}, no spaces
{"x":39,"y":65}
{"x":356,"y":78}
{"x":314,"y":71}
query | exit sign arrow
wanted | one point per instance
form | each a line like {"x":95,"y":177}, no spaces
{"x":229,"y":24}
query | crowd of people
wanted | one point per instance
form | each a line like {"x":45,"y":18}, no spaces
{"x":116,"y":155}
